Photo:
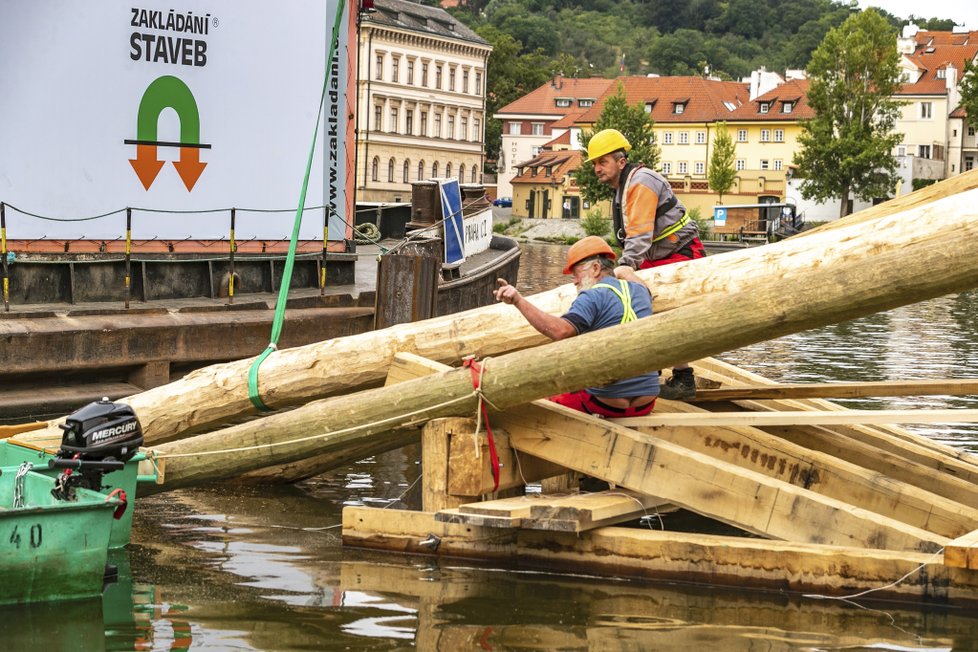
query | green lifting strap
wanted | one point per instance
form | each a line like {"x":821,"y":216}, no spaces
{"x":283,"y":292}
{"x":625,"y":294}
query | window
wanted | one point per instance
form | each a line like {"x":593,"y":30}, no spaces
{"x":942,"y":73}
{"x":438,"y":77}
{"x":514,"y":128}
{"x":395,"y":69}
{"x":902,"y":150}
{"x":410,"y":72}
{"x":678,"y":107}
{"x":461,"y":172}
{"x":683,"y":167}
{"x":424,"y":123}
{"x":667,"y":138}
{"x":451,"y":128}
{"x":378,"y":117}
{"x":465,"y":82}
{"x":464,"y":129}
{"x":971,"y":131}
{"x":420,"y":170}
{"x":925,"y":110}
{"x":448,"y":169}
{"x":765,"y":164}
{"x":700,"y":137}
{"x":562,"y":102}
{"x":375,"y":169}
{"x":649,"y":106}
{"x":969,"y":162}
{"x":393,"y":124}
{"x":478,"y":83}
{"x":741,"y":135}
{"x":409,"y":122}
{"x":434,"y":169}
{"x":777,"y":164}
{"x":923,"y":151}
{"x":473,"y":179}
{"x":741,"y":165}
{"x":765,"y":135}
{"x":779,"y":135}
{"x":436,"y":133}
{"x":424,"y":74}
{"x":787,"y":107}
{"x":379,"y":67}
{"x":451,"y":79}
{"x":667,"y":168}
{"x":406,"y":175}
{"x":683,"y":137}
{"x":765,"y":107}
{"x":585,"y":103}
{"x":537,"y":128}
{"x":699,"y":167}
{"x":390,"y":170}
{"x":476,"y":128}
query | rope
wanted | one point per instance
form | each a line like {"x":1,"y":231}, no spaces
{"x":846,"y":598}
{"x":476,"y":370}
{"x":283,"y":295}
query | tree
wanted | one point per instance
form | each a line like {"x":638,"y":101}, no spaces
{"x":635,"y":124}
{"x":847,"y":146}
{"x":969,"y":93}
{"x":722,"y":172}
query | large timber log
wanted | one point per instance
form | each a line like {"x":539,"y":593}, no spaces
{"x":838,"y":275}
{"x":911,"y":233}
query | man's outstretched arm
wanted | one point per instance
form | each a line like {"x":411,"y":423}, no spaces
{"x":556,"y":328}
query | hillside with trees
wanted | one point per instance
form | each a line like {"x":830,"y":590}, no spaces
{"x":535,"y":39}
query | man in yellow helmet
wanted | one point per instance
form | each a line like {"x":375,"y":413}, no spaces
{"x":650,"y":223}
{"x":602,"y":301}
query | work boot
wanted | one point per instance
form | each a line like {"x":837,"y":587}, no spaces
{"x":681,"y":387}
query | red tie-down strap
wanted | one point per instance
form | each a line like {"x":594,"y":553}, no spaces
{"x":121,"y":509}
{"x":475,"y":368}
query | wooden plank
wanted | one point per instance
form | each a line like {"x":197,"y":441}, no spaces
{"x":962,"y":552}
{"x":799,"y":418}
{"x":757,"y":450}
{"x":782,"y":566}
{"x":948,"y":387}
{"x":434,"y":462}
{"x":454,"y":515}
{"x":702,"y":484}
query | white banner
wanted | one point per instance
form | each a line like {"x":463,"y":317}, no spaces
{"x":478,"y":232}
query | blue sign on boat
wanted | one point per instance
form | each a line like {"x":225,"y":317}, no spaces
{"x":451,"y":212}
{"x":719,"y":216}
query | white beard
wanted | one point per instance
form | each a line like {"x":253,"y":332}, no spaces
{"x":587,"y":283}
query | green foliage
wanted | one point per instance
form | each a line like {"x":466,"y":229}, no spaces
{"x":635,"y":124}
{"x":969,"y":92}
{"x":847,"y":145}
{"x":595,"y":223}
{"x":923,"y":183}
{"x":703,"y":223}
{"x":722,"y":172}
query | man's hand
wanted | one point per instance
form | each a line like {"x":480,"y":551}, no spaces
{"x":626,"y":273}
{"x":507,"y":293}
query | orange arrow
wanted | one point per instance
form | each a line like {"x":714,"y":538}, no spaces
{"x":146,"y":165}
{"x":189,"y":166}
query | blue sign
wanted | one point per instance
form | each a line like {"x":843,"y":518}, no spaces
{"x":451,"y":212}
{"x":719,"y":216}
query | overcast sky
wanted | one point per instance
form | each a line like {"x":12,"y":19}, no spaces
{"x":962,"y":11}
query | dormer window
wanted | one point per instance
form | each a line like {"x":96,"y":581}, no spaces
{"x":563,"y":102}
{"x":942,"y":73}
{"x":585,"y":102}
{"x":787,"y":107}
{"x":677,"y":108}
{"x":765,"y":107}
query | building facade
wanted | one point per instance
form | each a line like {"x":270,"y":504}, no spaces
{"x":421,"y":100}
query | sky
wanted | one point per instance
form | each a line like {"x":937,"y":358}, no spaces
{"x":962,"y":11}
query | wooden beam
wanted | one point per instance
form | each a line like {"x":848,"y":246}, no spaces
{"x":435,"y":465}
{"x":470,"y":467}
{"x":702,"y":484}
{"x":652,"y":554}
{"x":799,"y":418}
{"x":759,"y":451}
{"x":948,"y":387}
{"x":962,"y":552}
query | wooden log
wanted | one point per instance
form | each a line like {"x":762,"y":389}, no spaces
{"x":652,"y":554}
{"x":947,"y":387}
{"x":756,"y":450}
{"x":714,"y":488}
{"x":822,"y":295}
{"x":799,"y":418}
{"x":962,"y":552}
{"x":857,"y":267}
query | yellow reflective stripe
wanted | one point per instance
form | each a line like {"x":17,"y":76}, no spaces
{"x":683,"y":221}
{"x":625,"y":295}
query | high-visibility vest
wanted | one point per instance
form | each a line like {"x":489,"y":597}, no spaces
{"x":625,"y":295}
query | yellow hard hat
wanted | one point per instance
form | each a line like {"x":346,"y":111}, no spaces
{"x":606,"y":141}
{"x":586,"y":248}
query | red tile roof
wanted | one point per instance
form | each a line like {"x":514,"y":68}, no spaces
{"x":933,"y":52}
{"x":794,"y":90}
{"x":561,"y":163}
{"x":704,"y":99}
{"x":542,"y":101}
{"x":926,"y":37}
{"x":562,"y":139}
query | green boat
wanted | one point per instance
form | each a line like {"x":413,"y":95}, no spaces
{"x":51,"y":548}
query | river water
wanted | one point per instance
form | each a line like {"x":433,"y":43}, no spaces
{"x":262,"y":568}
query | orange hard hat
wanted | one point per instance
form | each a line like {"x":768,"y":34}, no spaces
{"x":585,"y":248}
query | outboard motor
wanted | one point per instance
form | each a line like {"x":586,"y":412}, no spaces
{"x":98,"y":439}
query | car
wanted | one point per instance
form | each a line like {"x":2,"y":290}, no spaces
{"x":503,"y":202}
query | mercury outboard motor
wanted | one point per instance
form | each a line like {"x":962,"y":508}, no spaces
{"x":98,"y":439}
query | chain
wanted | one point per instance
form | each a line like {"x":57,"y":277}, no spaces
{"x":19,"y":484}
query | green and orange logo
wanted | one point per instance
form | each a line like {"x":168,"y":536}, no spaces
{"x":167,"y":92}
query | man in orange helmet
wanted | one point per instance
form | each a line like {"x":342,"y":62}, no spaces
{"x":650,"y":222}
{"x":602,"y":301}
